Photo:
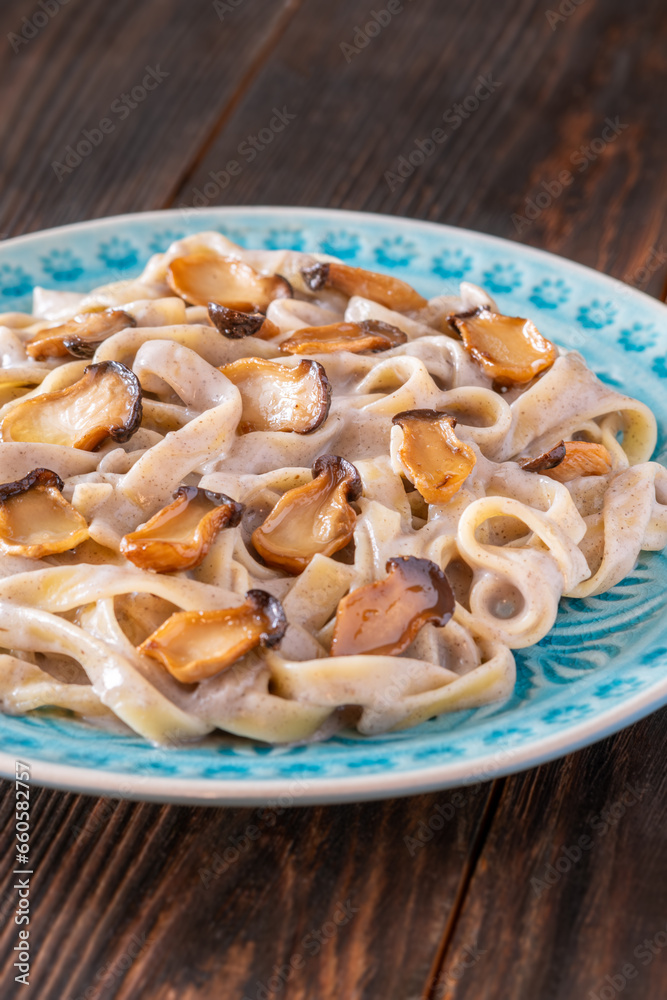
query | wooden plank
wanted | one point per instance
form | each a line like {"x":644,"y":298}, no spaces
{"x":74,"y":73}
{"x":212,"y":900}
{"x":136,"y":870}
{"x":556,"y":89}
{"x":568,"y":899}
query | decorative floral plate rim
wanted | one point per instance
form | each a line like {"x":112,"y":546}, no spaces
{"x":597,"y":672}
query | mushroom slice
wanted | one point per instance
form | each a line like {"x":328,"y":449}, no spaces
{"x":359,"y":338}
{"x":579,"y":458}
{"x":35,"y":518}
{"x":203,"y":277}
{"x":194,"y":645}
{"x":105,"y":402}
{"x":509,"y":349}
{"x":235,"y":324}
{"x":79,"y":336}
{"x":317,"y":517}
{"x":383,"y":618}
{"x":548,"y":460}
{"x":179,"y":536}
{"x":427,"y":451}
{"x":279,"y":397}
{"x":388,"y":291}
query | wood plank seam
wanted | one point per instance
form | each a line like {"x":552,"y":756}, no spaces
{"x":432,"y":989}
{"x":246,"y":81}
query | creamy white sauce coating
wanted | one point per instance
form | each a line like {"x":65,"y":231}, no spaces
{"x":513,"y":542}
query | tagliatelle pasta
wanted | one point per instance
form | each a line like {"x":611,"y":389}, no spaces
{"x":267,"y":493}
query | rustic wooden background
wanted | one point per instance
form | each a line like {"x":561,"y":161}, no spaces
{"x":124,"y":908}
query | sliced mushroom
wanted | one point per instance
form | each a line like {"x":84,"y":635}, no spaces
{"x":35,"y":518}
{"x":235,"y":325}
{"x":317,"y":517}
{"x":105,"y":402}
{"x":360,"y":338}
{"x":280,"y":397}
{"x":427,"y":451}
{"x":194,"y":645}
{"x":571,"y":459}
{"x":179,"y":536}
{"x":384,"y":617}
{"x":548,"y":460}
{"x":509,"y":349}
{"x":79,"y":336}
{"x":204,"y":276}
{"x":388,"y":291}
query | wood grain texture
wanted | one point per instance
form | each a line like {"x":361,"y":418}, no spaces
{"x":570,"y":887}
{"x":71,"y":74}
{"x":556,"y":88}
{"x":136,"y":900}
{"x":213,"y":899}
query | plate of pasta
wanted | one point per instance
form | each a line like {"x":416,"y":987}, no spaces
{"x":300,"y":505}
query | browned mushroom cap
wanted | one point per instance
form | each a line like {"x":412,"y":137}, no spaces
{"x":384,"y":617}
{"x":388,"y":291}
{"x":235,"y":325}
{"x":35,"y":518}
{"x":105,"y":402}
{"x":205,"y":276}
{"x":279,"y":397}
{"x":547,"y":460}
{"x":431,"y":455}
{"x":578,"y":458}
{"x":194,"y":645}
{"x":179,"y":536}
{"x":359,"y":338}
{"x":79,"y":336}
{"x":317,"y":517}
{"x":509,"y":349}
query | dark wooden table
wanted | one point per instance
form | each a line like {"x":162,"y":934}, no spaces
{"x":332,"y":902}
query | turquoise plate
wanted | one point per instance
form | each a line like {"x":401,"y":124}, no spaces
{"x":603,"y":666}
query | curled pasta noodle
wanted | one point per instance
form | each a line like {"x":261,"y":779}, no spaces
{"x":371,"y":550}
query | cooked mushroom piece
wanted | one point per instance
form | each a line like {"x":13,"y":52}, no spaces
{"x":235,"y":324}
{"x":577,"y":458}
{"x":359,"y":338}
{"x":279,"y":397}
{"x":426,"y":450}
{"x":317,"y":517}
{"x":383,"y":618}
{"x":388,"y":291}
{"x":194,"y":645}
{"x":204,"y":276}
{"x":548,"y":460}
{"x":509,"y":349}
{"x":79,"y":336}
{"x":35,"y":518}
{"x":179,"y":536}
{"x":105,"y":402}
